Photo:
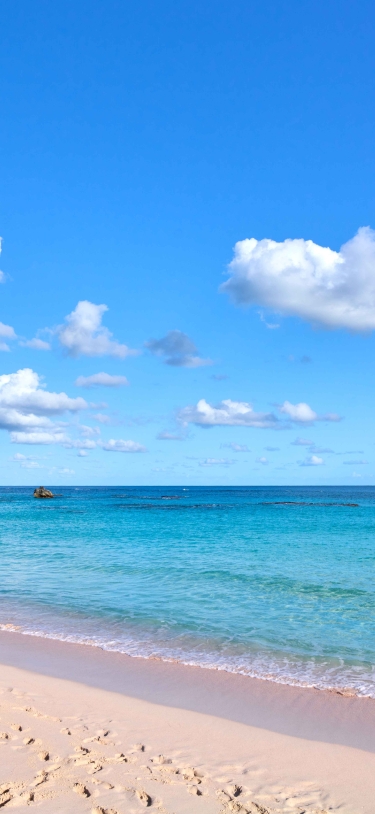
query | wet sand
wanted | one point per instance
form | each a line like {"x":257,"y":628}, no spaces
{"x":86,"y":730}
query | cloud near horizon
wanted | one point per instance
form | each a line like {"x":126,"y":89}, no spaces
{"x":84,"y":335}
{"x":299,"y":278}
{"x":241,"y":414}
{"x":120,"y":445}
{"x":178,"y":350}
{"x":312,"y":460}
{"x":227,"y":414}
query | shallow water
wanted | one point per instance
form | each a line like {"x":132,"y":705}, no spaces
{"x":273,"y":582}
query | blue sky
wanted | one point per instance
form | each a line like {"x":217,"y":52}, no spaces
{"x":140,"y":144}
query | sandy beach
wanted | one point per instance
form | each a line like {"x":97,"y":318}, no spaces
{"x":91,"y":731}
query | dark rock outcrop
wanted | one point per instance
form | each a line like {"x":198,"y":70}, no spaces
{"x":42,"y":492}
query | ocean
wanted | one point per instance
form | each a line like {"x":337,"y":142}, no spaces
{"x":273,"y":582}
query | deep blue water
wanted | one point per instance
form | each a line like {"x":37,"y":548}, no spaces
{"x":276,"y":582}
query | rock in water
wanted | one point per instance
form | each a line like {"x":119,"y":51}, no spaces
{"x":42,"y":492}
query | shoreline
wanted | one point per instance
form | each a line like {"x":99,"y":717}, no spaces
{"x":343,"y":689}
{"x":94,"y":732}
{"x":302,"y":712}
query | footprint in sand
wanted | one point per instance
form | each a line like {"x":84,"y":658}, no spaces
{"x":4,"y":736}
{"x":194,"y":790}
{"x":28,"y":741}
{"x":5,"y":798}
{"x":143,"y":797}
{"x":27,"y":796}
{"x":101,"y":810}
{"x":79,"y":788}
{"x":16,"y":727}
{"x":40,"y":778}
{"x":43,"y":755}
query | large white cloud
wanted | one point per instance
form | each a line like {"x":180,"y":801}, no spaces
{"x":300,"y":278}
{"x":227,"y":414}
{"x":84,"y":335}
{"x":101,"y":380}
{"x":26,"y":407}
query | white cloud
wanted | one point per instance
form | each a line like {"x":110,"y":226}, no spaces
{"x":228,"y":414}
{"x":38,"y":437}
{"x":303,"y":414}
{"x":85,"y":335}
{"x":102,"y":418}
{"x":217,"y":462}
{"x":262,"y":460}
{"x":82,"y":453}
{"x":6,"y":332}
{"x":312,"y":460}
{"x":272,"y":449}
{"x":70,"y":443}
{"x":355,"y":463}
{"x":101,"y":380}
{"x":25,"y":406}
{"x":272,"y":326}
{"x":35,"y":344}
{"x":26,"y":461}
{"x":121,"y":446}
{"x":178,"y":349}
{"x":66,"y":471}
{"x":236,"y":447}
{"x":89,"y":432}
{"x":164,"y":435}
{"x":300,"y":278}
{"x":302,"y":442}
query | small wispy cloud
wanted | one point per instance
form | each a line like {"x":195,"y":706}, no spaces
{"x":164,"y":435}
{"x":312,"y":460}
{"x":119,"y":445}
{"x":35,"y":344}
{"x":236,"y":447}
{"x":272,"y":326}
{"x":101,"y":380}
{"x":178,"y":350}
{"x":216,"y":462}
{"x":355,"y":463}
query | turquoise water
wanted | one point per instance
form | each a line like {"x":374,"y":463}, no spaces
{"x":272,"y":582}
